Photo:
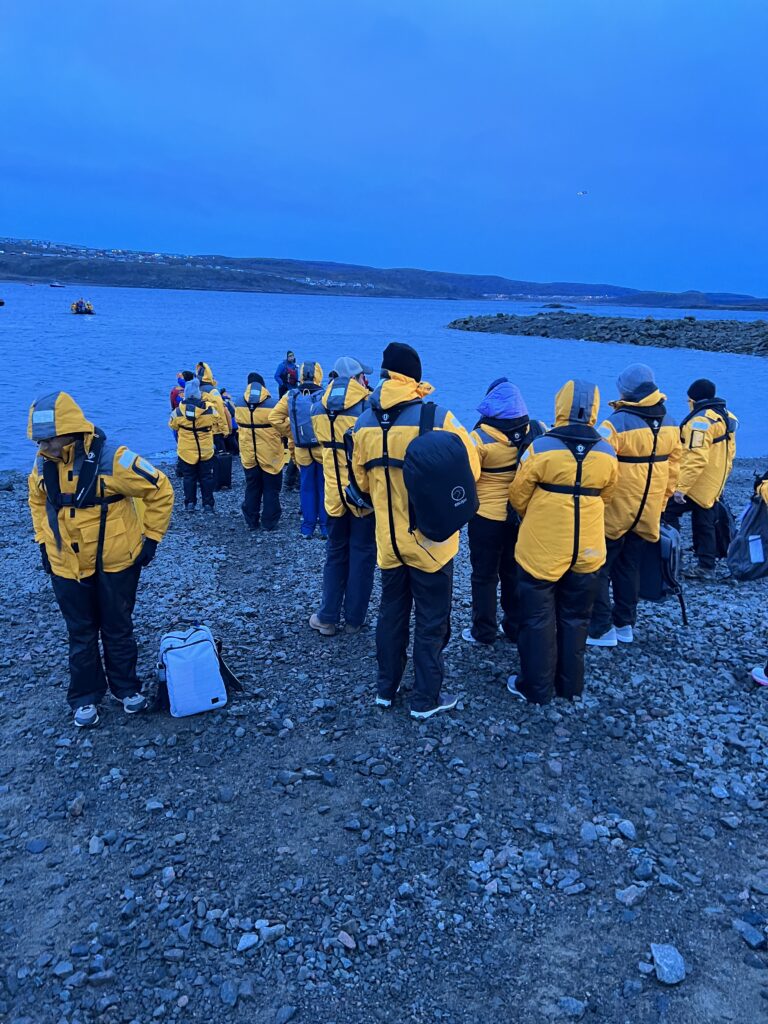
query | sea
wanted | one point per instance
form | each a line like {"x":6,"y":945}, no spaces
{"x":121,"y":363}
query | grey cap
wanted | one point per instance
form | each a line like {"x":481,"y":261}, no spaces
{"x":347,"y":366}
{"x":636,"y":381}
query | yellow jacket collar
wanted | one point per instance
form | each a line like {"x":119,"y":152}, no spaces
{"x":654,"y":398}
{"x":354,"y":392}
{"x":255,"y":394}
{"x":397,"y":388}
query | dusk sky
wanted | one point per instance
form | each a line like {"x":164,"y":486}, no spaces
{"x":444,"y":134}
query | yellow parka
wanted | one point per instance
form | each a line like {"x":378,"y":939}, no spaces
{"x":311,"y":377}
{"x":762,"y":490}
{"x":260,"y":442}
{"x":647,"y":471}
{"x":416,"y":550}
{"x":71,"y":534}
{"x":211,"y":393}
{"x":195,"y":424}
{"x":563,"y":529}
{"x":497,"y":452}
{"x":708,"y":435}
{"x":345,"y":399}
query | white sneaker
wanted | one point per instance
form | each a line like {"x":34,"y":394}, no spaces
{"x":608,"y":639}
{"x":466,"y":634}
{"x":511,"y":688}
{"x":87,"y":716}
{"x":386,"y":702}
{"x":625,"y":634}
{"x":759,"y":675}
{"x":445,"y":703}
{"x":133,"y":704}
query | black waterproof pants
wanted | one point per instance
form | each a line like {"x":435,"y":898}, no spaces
{"x":350,"y":559}
{"x":261,"y":501}
{"x":199,"y":473}
{"x":703,"y":522}
{"x":492,"y":554}
{"x":291,"y":476}
{"x":622,"y":572}
{"x":554,"y":619}
{"x":430,"y":593}
{"x":100,"y":606}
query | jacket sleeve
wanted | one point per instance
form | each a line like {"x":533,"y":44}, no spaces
{"x":280,"y":419}
{"x":607,"y":492}
{"x":137,"y":478}
{"x":480,"y":448}
{"x":175,"y":420}
{"x":608,"y":432}
{"x":696,"y":439}
{"x":358,"y":463}
{"x":279,"y":372}
{"x":37,"y":506}
{"x":674,"y":470}
{"x":451,"y":424}
{"x":522,"y":487}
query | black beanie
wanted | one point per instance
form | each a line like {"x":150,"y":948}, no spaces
{"x":255,"y":378}
{"x":400,"y":358}
{"x":701,"y":389}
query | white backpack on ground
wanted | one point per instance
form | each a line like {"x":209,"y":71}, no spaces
{"x":189,"y":668}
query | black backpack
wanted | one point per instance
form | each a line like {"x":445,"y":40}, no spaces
{"x":725,"y":528}
{"x":748,"y":552}
{"x":438,"y":477}
{"x":661,"y":567}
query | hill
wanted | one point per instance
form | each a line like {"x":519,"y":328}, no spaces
{"x":41,"y":261}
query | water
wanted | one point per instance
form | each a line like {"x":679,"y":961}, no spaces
{"x":121,"y":363}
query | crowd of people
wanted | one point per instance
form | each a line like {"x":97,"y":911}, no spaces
{"x":558,"y":519}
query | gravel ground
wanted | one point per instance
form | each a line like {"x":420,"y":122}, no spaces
{"x":303,"y":855}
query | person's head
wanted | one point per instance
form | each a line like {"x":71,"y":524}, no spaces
{"x":636,"y":381}
{"x":311,"y":373}
{"x":192,"y":390}
{"x":577,"y":403}
{"x":255,"y":378}
{"x":401,"y":358}
{"x":290,"y":357}
{"x":702,"y":390}
{"x":56,"y":422}
{"x":503,"y":400}
{"x":348,"y":366}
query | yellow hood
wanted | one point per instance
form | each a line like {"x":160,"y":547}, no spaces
{"x":56,"y":415}
{"x":255,"y":394}
{"x":346,"y":393}
{"x":577,"y":402}
{"x":311,"y":373}
{"x":655,"y":398}
{"x":397,"y":388}
{"x":205,"y":374}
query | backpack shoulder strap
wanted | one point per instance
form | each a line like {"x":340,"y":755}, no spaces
{"x":427,"y":417}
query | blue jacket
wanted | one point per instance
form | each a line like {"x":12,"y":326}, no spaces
{"x":281,"y":373}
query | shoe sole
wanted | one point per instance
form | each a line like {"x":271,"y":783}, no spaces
{"x":627,"y":640}
{"x":322,"y":630}
{"x":422,"y":715}
{"x":594,"y":643}
{"x":135,"y":711}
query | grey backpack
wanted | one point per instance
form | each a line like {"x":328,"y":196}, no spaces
{"x":748,"y":551}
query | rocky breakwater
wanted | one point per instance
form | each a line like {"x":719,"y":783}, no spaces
{"x":302,"y":855}
{"x":744,"y":337}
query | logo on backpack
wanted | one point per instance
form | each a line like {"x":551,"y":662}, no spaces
{"x":459,"y":496}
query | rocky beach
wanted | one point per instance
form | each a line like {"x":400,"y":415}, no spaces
{"x":742,"y":337}
{"x":302,"y":855}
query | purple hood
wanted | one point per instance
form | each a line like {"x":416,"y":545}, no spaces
{"x":503,"y":402}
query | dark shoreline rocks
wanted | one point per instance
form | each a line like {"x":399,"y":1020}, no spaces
{"x":748,"y":338}
{"x":301,"y":855}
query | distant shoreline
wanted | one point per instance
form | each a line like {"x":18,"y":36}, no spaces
{"x":749,"y":338}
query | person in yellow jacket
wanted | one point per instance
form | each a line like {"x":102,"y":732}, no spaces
{"x":261,"y":454}
{"x":708,"y":435}
{"x":646,"y":440}
{"x":92,"y":544}
{"x":414,"y":570}
{"x":503,"y":431}
{"x":292,"y":417}
{"x":350,"y":559}
{"x":562,"y":485}
{"x":210,"y":392}
{"x":760,"y":672}
{"x":194,"y":422}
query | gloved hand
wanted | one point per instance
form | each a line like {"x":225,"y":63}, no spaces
{"x":147,"y":553}
{"x":679,"y":497}
{"x":46,"y":565}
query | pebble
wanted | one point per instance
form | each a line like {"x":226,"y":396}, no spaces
{"x":37,"y":846}
{"x":668,"y":962}
{"x":754,"y":939}
{"x":627,"y":829}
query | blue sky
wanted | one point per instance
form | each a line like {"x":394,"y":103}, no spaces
{"x":446,"y":134}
